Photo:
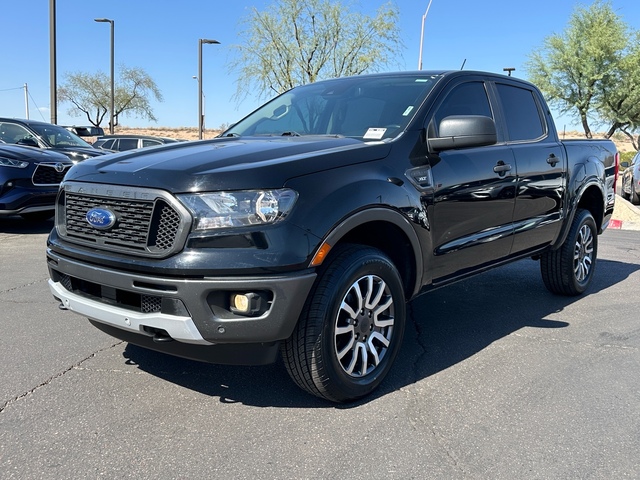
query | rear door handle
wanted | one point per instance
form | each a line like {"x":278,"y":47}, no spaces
{"x":501,"y":168}
{"x":552,"y":160}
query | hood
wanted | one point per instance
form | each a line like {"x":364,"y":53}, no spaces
{"x":17,"y":152}
{"x":227,"y":163}
{"x":78,"y":154}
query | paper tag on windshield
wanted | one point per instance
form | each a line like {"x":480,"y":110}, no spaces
{"x":374,"y":133}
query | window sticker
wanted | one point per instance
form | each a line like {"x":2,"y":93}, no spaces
{"x":407,"y":111}
{"x":374,"y":133}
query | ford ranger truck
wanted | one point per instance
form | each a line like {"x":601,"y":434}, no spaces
{"x":305,"y":228}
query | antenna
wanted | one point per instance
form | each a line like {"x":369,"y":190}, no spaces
{"x":462,"y":66}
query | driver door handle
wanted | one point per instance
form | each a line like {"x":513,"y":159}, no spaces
{"x":501,"y":168}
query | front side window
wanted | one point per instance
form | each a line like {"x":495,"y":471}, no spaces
{"x":127,"y":144}
{"x":465,"y":99}
{"x":13,"y":133}
{"x":108,"y":144}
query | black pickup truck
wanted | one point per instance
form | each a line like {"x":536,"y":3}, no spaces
{"x":306,"y":227}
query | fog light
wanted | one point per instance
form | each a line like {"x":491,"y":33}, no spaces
{"x":240,"y":302}
{"x":249,"y":304}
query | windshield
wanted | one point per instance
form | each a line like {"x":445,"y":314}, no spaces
{"x":58,"y":137}
{"x":365,"y":107}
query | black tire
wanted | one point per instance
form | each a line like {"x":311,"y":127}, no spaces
{"x":38,"y":216}
{"x":569,"y":269}
{"x":624,"y":194}
{"x":634,"y":193}
{"x":335,"y":352}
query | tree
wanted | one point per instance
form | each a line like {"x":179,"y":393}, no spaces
{"x":620,"y":96}
{"x":570,"y":67}
{"x":294,"y":42}
{"x":90,"y":95}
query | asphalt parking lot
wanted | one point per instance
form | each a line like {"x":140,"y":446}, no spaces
{"x":497,"y":379}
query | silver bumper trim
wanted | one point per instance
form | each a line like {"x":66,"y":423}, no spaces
{"x":181,"y":329}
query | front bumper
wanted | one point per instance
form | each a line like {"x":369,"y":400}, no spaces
{"x":20,"y":200}
{"x":187,"y":310}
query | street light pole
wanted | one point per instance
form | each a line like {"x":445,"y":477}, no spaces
{"x":106,"y":20}
{"x":53,"y":96}
{"x":204,"y":103}
{"x":424,"y":18}
{"x":26,"y":100}
{"x":200,"y":111}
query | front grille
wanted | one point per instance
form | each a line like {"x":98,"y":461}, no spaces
{"x":131,"y":229}
{"x":48,"y":174}
{"x":151,"y":225}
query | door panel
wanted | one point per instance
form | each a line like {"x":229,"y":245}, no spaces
{"x":472,"y":209}
{"x":537,"y":217}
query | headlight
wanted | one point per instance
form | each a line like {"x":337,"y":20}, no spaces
{"x":8,"y":162}
{"x":239,"y":209}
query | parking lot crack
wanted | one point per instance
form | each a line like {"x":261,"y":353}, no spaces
{"x":48,"y":381}
{"x":420,"y":342}
{"x":18,"y":287}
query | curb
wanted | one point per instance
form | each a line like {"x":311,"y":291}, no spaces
{"x":619,"y":224}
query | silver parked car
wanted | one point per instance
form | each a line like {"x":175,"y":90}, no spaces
{"x":120,"y":143}
{"x":631,"y":181}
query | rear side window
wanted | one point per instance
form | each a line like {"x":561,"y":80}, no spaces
{"x":521,"y":111}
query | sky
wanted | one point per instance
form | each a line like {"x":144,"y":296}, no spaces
{"x":161,"y":37}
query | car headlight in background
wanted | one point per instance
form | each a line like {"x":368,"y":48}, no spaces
{"x":239,"y":209}
{"x":8,"y":162}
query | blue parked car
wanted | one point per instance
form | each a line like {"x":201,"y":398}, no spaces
{"x":46,"y":136}
{"x":29,"y":181}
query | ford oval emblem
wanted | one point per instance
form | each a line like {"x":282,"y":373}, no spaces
{"x":101,"y":218}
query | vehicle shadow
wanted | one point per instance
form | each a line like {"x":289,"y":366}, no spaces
{"x":19,"y":225}
{"x":444,"y":327}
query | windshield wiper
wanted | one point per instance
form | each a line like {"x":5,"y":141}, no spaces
{"x":290,"y":134}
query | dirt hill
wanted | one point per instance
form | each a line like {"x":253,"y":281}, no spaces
{"x":191,"y":133}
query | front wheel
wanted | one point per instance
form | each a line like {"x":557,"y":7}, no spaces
{"x":569,"y":269}
{"x":351,"y":327}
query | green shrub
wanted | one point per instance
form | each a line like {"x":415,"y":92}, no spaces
{"x":626,"y":157}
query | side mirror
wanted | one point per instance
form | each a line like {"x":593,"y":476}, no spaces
{"x":464,"y":131}
{"x":28,"y":142}
{"x":624,"y":164}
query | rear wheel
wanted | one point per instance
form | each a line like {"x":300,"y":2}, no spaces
{"x":569,"y":269}
{"x":351,"y":327}
{"x":634,"y":193}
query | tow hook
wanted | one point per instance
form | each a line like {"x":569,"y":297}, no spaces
{"x":162,"y":337}
{"x":62,"y":307}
